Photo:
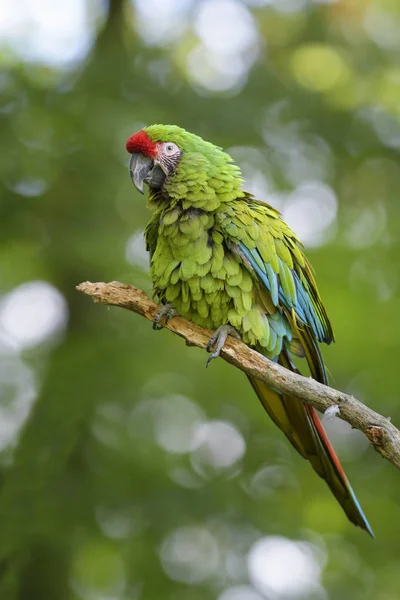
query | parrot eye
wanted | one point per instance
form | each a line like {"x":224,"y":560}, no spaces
{"x":169,"y":148}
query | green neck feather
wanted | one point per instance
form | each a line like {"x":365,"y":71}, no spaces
{"x":205,"y":176}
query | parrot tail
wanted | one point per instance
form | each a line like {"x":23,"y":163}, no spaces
{"x":301,"y":425}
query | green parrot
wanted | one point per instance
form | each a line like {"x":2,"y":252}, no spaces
{"x":229,"y":263}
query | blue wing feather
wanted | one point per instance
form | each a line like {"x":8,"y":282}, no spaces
{"x":302,"y":303}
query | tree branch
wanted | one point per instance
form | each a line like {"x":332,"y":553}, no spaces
{"x":384,"y":436}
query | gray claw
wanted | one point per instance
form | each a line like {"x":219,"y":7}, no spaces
{"x":166,"y":312}
{"x":218,"y":339}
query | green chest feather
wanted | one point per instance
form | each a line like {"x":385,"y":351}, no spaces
{"x":194,"y":269}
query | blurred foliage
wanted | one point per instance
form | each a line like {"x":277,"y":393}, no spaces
{"x":127,"y":471}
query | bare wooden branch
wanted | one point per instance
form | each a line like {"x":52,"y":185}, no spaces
{"x":382,"y":434}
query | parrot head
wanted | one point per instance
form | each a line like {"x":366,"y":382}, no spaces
{"x":152,"y":159}
{"x":162,"y":155}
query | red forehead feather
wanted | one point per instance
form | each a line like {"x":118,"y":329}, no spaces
{"x":140,"y":142}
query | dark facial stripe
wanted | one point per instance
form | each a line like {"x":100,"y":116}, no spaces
{"x":170,"y":162}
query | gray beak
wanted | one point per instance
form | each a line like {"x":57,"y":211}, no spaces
{"x":139,"y":168}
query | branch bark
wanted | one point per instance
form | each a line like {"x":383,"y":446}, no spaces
{"x":382,"y":434}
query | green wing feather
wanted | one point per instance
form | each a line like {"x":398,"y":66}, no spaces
{"x":271,"y":251}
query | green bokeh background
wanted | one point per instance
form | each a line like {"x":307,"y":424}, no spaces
{"x":114,"y":484}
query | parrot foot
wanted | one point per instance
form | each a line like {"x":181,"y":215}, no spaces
{"x":218,"y":340}
{"x":166,"y":312}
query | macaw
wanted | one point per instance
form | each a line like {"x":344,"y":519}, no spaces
{"x":228,"y":262}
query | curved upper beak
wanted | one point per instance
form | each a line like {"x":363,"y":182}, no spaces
{"x":139,"y":168}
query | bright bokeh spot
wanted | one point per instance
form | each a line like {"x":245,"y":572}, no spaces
{"x":319,"y":67}
{"x":215,"y":72}
{"x":43,"y":31}
{"x":190,"y":555}
{"x":33,"y":313}
{"x":229,"y":45}
{"x":220,"y":446}
{"x":285,"y":568}
{"x":29,"y":187}
{"x":177,"y":421}
{"x":160,"y":21}
{"x":225,"y":27}
{"x":382,"y":25}
{"x":311,"y":211}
